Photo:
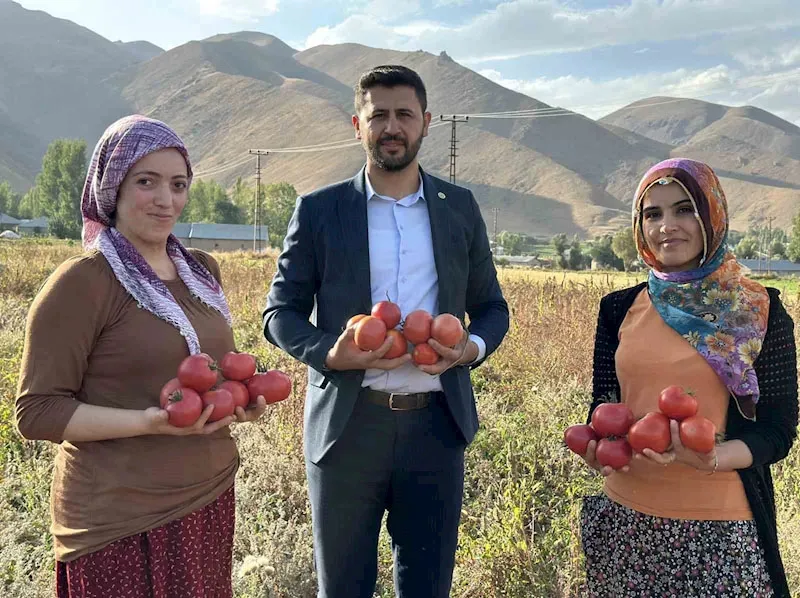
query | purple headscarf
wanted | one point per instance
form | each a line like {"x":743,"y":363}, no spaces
{"x":122,"y":145}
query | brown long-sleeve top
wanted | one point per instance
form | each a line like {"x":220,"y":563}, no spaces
{"x":87,"y":341}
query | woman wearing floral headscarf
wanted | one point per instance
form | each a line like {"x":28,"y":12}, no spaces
{"x":139,"y":507}
{"x":684,"y":523}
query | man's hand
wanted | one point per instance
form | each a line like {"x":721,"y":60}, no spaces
{"x":466,"y":351}
{"x":345,"y":355}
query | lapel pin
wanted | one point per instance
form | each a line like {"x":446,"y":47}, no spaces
{"x":441,"y":195}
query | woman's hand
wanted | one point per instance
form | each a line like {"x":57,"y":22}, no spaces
{"x":252,"y":412}
{"x":157,"y":422}
{"x":591,"y":461}
{"x":678,"y":453}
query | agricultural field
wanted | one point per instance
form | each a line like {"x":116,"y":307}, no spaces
{"x":519,"y":533}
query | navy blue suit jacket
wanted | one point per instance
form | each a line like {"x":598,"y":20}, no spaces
{"x":323,"y":278}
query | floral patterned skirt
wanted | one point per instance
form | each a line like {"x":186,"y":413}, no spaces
{"x":630,"y":554}
{"x":186,"y":558}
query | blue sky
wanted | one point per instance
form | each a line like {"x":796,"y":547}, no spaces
{"x":593,"y":56}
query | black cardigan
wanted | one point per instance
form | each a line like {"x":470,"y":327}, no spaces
{"x":769,"y":438}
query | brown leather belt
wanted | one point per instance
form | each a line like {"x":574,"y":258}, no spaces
{"x":398,"y":401}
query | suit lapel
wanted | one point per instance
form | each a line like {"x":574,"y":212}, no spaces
{"x":352,"y":208}
{"x":438,"y":211}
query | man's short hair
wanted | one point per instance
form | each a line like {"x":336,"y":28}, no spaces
{"x":390,"y":75}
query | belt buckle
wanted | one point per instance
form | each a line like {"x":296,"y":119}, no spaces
{"x":392,"y":395}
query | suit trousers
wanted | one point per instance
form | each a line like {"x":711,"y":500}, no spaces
{"x":409,"y":463}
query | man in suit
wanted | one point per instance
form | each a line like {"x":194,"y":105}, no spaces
{"x":385,"y":434}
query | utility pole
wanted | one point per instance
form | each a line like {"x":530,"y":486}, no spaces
{"x":769,"y":244}
{"x":494,"y":234}
{"x":453,"y":119}
{"x":257,"y":202}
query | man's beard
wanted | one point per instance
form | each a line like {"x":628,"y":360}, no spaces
{"x":391,"y":163}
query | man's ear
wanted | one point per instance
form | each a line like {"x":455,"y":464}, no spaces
{"x":357,"y":126}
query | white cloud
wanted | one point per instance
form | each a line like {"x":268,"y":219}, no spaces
{"x":776,"y":92}
{"x":238,"y":10}
{"x":525,"y":27}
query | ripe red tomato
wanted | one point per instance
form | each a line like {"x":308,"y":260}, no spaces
{"x":184,"y":407}
{"x":222,"y":401}
{"x":676,"y":404}
{"x":355,"y":320}
{"x":241,"y":397}
{"x":273,"y":385}
{"x":447,"y":329}
{"x":614,"y":453}
{"x":612,"y":419}
{"x":198,"y":372}
{"x":577,"y":438}
{"x":167,"y":390}
{"x":238,"y":366}
{"x":399,"y":345}
{"x":652,"y":431}
{"x":388,"y":312}
{"x":370,"y":333}
{"x":417,"y":327}
{"x":424,"y":354}
{"x":698,"y":434}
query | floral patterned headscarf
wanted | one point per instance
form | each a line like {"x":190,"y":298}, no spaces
{"x":719,"y":311}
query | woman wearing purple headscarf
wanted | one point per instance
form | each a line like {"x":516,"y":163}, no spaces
{"x":685,"y":523}
{"x":139,"y":507}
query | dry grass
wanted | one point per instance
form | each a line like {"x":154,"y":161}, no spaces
{"x":518,"y":536}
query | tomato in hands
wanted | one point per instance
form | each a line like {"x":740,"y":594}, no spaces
{"x":273,"y":385}
{"x":577,"y":438}
{"x":167,"y":390}
{"x":615,"y":454}
{"x":417,"y":327}
{"x":447,"y":329}
{"x":183,"y":405}
{"x":198,"y":372}
{"x":424,"y":354}
{"x":677,"y":404}
{"x":652,"y":431}
{"x":238,"y":366}
{"x":612,"y":419}
{"x":399,"y":345}
{"x":388,"y":312}
{"x":698,"y":434}
{"x":370,"y":333}
{"x":222,"y":401}
{"x":355,"y":320}
{"x":239,"y":392}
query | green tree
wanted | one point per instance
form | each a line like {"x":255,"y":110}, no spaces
{"x":208,"y":202}
{"x":242,"y":196}
{"x":576,"y":258}
{"x":746,"y":248}
{"x":793,"y":251}
{"x":624,"y":247}
{"x":511,"y":242}
{"x":9,"y":201}
{"x":559,"y":243}
{"x":58,"y":188}
{"x":778,"y":250}
{"x":276,"y":210}
{"x":602,"y":253}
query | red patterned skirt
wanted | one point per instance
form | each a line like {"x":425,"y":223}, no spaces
{"x":186,"y":558}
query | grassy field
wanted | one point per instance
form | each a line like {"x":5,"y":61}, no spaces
{"x":519,"y":525}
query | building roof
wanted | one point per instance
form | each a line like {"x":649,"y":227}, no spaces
{"x":40,"y":222}
{"x":774,"y":266}
{"x":6,"y":219}
{"x":218,"y":232}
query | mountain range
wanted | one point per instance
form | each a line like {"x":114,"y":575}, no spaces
{"x":546,"y":171}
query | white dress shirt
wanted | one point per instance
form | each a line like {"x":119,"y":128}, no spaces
{"x":402,"y":268}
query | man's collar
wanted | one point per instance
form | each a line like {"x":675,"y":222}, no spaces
{"x":370,"y":191}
